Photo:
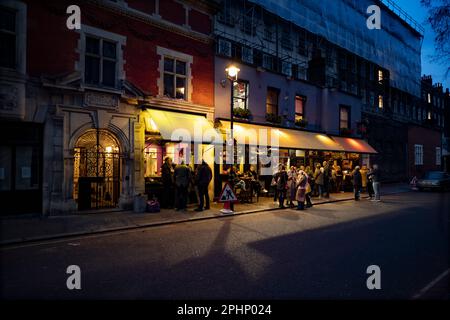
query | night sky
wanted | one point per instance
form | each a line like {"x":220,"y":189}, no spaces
{"x":419,"y":13}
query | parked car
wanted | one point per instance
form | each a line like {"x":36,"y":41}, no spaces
{"x":434,"y":180}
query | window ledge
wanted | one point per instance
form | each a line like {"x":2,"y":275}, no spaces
{"x":102,"y":89}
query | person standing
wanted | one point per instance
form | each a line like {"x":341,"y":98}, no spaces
{"x":338,"y":179}
{"x":364,"y":177}
{"x":202,"y":179}
{"x":167,"y":181}
{"x":182,"y":177}
{"x":292,"y":185}
{"x":318,"y":180}
{"x":326,"y":179}
{"x":302,"y":181}
{"x":282,"y":179}
{"x":357,"y":182}
{"x":375,"y":175}
{"x":369,"y":182}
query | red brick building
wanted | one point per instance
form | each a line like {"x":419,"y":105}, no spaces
{"x":85,"y":96}
{"x":424,"y":150}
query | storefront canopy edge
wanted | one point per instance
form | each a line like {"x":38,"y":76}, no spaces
{"x":172,"y":125}
{"x":287,"y":138}
{"x":354,"y":145}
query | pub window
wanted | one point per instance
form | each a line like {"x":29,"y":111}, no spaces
{"x":100,"y":62}
{"x":299,"y":107}
{"x":344,"y":117}
{"x":174,"y":78}
{"x":240,"y":94}
{"x":7,"y":38}
{"x":272,"y":101}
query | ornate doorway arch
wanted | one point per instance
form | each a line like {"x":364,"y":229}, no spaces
{"x":96,"y":170}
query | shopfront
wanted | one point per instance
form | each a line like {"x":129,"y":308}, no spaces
{"x":295,"y":148}
{"x":183,"y":137}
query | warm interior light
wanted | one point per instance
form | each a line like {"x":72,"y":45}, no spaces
{"x":108,"y":149}
{"x":232,"y":72}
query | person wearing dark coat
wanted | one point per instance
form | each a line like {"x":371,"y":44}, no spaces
{"x":182,"y":178}
{"x":282,"y":178}
{"x":167,"y":181}
{"x":202,"y":179}
{"x":357,"y":182}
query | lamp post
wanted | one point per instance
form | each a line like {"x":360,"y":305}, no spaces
{"x":232,"y":74}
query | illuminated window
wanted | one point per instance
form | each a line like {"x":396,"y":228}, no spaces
{"x":299,"y":107}
{"x":240,"y":94}
{"x":174,"y":78}
{"x":272,"y":101}
{"x":429,"y":98}
{"x":380,"y":75}
{"x":344,"y":117}
{"x":429,"y":115}
{"x":380,"y":101}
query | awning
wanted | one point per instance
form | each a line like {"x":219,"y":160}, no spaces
{"x":287,"y":138}
{"x":173,"y":125}
{"x":354,"y":145}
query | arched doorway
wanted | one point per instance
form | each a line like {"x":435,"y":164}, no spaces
{"x":96,"y":170}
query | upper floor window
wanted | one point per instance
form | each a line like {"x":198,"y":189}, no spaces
{"x":240,"y":94}
{"x":380,"y":102}
{"x":429,"y":98}
{"x":380,"y":76}
{"x":344,"y":117}
{"x":267,"y":62}
{"x":100,"y":62}
{"x":299,"y":107}
{"x":272,"y":101}
{"x":286,"y":68}
{"x":224,"y":47}
{"x":247,"y":55}
{"x":7,"y":38}
{"x":438,"y":156}
{"x":174,"y":78}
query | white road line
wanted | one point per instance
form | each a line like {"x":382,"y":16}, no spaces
{"x":430,"y":285}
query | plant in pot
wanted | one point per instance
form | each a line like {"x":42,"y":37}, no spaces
{"x":273,"y":118}
{"x":242,"y":113}
{"x":302,"y":123}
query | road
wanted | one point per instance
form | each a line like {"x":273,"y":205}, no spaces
{"x":320,"y":253}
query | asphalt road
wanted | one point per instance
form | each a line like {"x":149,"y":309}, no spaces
{"x":321,"y":253}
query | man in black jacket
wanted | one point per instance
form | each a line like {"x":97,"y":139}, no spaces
{"x":357,"y":182}
{"x":167,"y":180}
{"x":202,"y":179}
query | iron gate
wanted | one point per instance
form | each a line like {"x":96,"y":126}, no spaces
{"x":97,"y":171}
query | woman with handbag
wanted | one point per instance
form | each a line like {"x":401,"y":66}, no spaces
{"x":302,"y":181}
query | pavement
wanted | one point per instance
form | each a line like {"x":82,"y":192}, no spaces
{"x":320,"y":253}
{"x":29,"y":228}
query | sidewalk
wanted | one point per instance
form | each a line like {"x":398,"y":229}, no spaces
{"x":18,"y":229}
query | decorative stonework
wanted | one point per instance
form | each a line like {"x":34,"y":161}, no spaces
{"x":9,"y":96}
{"x":101,"y":100}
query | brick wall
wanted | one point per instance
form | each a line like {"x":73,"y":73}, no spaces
{"x":52,"y":47}
{"x":430,"y":139}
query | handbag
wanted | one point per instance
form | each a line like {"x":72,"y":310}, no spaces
{"x":153,"y":206}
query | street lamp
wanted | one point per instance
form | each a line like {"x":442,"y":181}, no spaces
{"x":232,"y":74}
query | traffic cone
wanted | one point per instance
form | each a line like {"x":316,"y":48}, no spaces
{"x":226,"y":208}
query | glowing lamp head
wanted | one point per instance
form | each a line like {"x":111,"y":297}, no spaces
{"x":232,"y":72}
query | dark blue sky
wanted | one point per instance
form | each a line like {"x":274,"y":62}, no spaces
{"x":419,"y":13}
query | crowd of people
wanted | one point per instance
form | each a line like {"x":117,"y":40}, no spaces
{"x":295,"y":185}
{"x":178,"y":179}
{"x":300,"y":185}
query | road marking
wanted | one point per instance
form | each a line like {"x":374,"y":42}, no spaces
{"x":430,"y":285}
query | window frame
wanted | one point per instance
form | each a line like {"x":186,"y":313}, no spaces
{"x":176,"y":76}
{"x":11,"y":33}
{"x":273,"y":105}
{"x":418,"y":154}
{"x":348,"y":109}
{"x":102,"y":58}
{"x":298,"y":115}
